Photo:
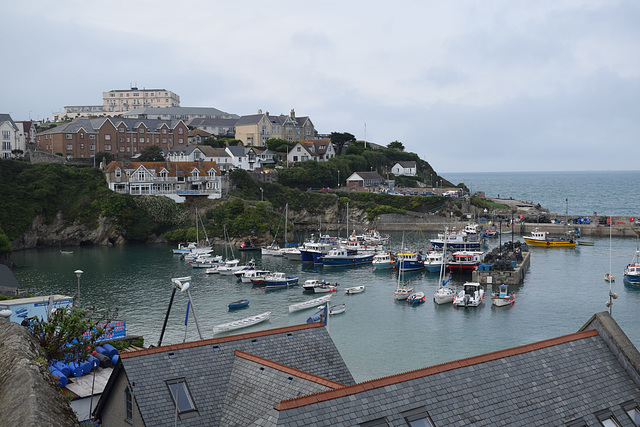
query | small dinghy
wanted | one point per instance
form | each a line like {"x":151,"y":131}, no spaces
{"x":239,"y":304}
{"x":354,"y":290}
{"x":242,"y":323}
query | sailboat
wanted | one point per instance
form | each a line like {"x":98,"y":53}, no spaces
{"x":609,"y":277}
{"x":403,"y":289}
{"x":274,"y":249}
{"x":444,"y":294}
{"x":194,"y":247}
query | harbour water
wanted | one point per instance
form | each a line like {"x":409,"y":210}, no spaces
{"x":581,"y":193}
{"x":377,"y":335}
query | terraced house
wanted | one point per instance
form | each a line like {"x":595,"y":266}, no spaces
{"x":120,"y":137}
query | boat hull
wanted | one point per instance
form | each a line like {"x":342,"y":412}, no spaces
{"x":632,"y":279}
{"x":410,"y":265}
{"x":550,"y":243}
{"x":502,"y":301}
{"x":345,"y":262}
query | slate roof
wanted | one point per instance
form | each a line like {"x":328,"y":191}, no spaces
{"x":212,"y":122}
{"x":178,"y":111}
{"x":93,"y":125}
{"x":7,"y":118}
{"x":407,"y":164}
{"x":548,"y":383}
{"x":217,"y":374}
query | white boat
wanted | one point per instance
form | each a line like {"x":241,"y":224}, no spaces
{"x":278,"y":279}
{"x":632,"y":270}
{"x":383,"y":261}
{"x":292,"y":254}
{"x":444,"y":294}
{"x":337,"y":309}
{"x":471,"y":295}
{"x":229,"y":267}
{"x":235,"y":268}
{"x":433,"y":260}
{"x":309,"y":304}
{"x":194,"y":247}
{"x":242,"y":323}
{"x":354,"y":290}
{"x":206,"y":262}
{"x":465,"y":261}
{"x":197,"y":253}
{"x":403,"y":288}
{"x":341,"y":257}
{"x":318,"y":286}
{"x":253,"y":274}
{"x":456,"y":240}
{"x":272,"y":250}
{"x":502,"y":297}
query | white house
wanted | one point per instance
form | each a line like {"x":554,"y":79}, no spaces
{"x":319,"y":150}
{"x":405,"y":168}
{"x":9,"y":135}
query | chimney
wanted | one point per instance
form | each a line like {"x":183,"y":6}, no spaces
{"x":293,"y":113}
{"x":259,"y":110}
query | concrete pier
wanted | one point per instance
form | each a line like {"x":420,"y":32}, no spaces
{"x":514,"y":277}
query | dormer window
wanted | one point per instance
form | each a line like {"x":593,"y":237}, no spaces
{"x":118,"y":173}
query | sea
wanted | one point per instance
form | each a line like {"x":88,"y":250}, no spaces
{"x":377,"y":335}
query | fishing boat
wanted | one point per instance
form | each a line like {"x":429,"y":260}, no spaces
{"x":409,"y":261}
{"x":471,"y":295}
{"x":465,"y":261}
{"x":383,"y":261}
{"x":542,"y":238}
{"x":309,"y":304}
{"x":292,"y":254}
{"x":632,"y":270}
{"x":434,"y":260}
{"x":248,"y":246}
{"x":354,"y":290}
{"x":416,"y":298}
{"x":239,"y":304}
{"x":207,"y":262}
{"x":502,"y":297}
{"x":248,"y":275}
{"x":242,"y":323}
{"x":229,"y":267}
{"x":318,"y":286}
{"x":340,"y":257}
{"x":456,"y":240}
{"x":279,"y":279}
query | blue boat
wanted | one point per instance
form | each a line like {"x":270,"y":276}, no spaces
{"x":409,"y":261}
{"x":312,"y":250}
{"x":279,"y":280}
{"x":632,"y":271}
{"x":239,"y":304}
{"x":344,"y":258}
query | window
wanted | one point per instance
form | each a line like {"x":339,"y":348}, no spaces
{"x":378,"y":422}
{"x":632,"y":410}
{"x":69,"y":147}
{"x":82,"y":146}
{"x":606,"y":418}
{"x":164,"y":131}
{"x":181,"y":131}
{"x":82,"y":136}
{"x":135,"y":140}
{"x":418,"y":418}
{"x":92,"y":137}
{"x":122,"y":139}
{"x":107,"y":147}
{"x":69,"y":136}
{"x":181,"y":396}
{"x":121,"y":129}
{"x":128,"y":402}
{"x":164,"y":140}
{"x":107,"y":137}
{"x":141,"y":130}
{"x":118,"y":173}
{"x":92,"y":147}
{"x":141,"y":175}
{"x":122,"y":149}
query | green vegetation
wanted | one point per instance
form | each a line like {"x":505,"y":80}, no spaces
{"x":69,"y":333}
{"x":78,"y":194}
{"x":481,"y":202}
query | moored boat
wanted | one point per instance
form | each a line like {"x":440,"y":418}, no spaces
{"x":383,"y":261}
{"x":248,"y":275}
{"x":318,"y":286}
{"x":239,"y":304}
{"x":354,"y":290}
{"x":342,"y":258}
{"x":632,"y":270}
{"x":409,"y":261}
{"x":502,"y":297}
{"x":309,"y":304}
{"x":471,"y":295}
{"x":433,"y":261}
{"x":337,"y":309}
{"x":416,"y":298}
{"x":242,"y":323}
{"x":279,"y":279}
{"x":542,"y":238}
{"x":465,"y":261}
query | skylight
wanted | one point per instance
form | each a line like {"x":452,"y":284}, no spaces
{"x":181,"y":396}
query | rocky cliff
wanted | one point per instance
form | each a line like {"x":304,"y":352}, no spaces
{"x":58,"y":233}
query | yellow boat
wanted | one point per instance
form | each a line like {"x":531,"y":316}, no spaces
{"x":541,"y":238}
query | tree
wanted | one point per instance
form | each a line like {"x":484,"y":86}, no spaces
{"x":108,"y":157}
{"x":69,"y":333}
{"x":151,"y":154}
{"x":339,"y":139}
{"x":396,"y":145}
{"x":278,"y":145}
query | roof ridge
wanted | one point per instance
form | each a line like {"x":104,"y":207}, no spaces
{"x":230,"y":338}
{"x":430,"y":370}
{"x":289,"y":370}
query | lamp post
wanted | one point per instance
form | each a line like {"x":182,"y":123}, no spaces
{"x":78,"y":274}
{"x":338,"y":177}
{"x":261,"y":194}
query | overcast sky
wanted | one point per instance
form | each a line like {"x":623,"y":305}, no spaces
{"x":470,"y":86}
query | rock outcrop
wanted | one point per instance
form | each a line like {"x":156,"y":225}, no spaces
{"x":58,"y":233}
{"x":29,"y":395}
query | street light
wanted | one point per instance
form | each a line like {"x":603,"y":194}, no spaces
{"x":338,"y":177}
{"x":261,"y":194}
{"x":78,"y":274}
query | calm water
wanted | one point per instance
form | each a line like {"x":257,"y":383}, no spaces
{"x":605,"y":192}
{"x":377,"y":335}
